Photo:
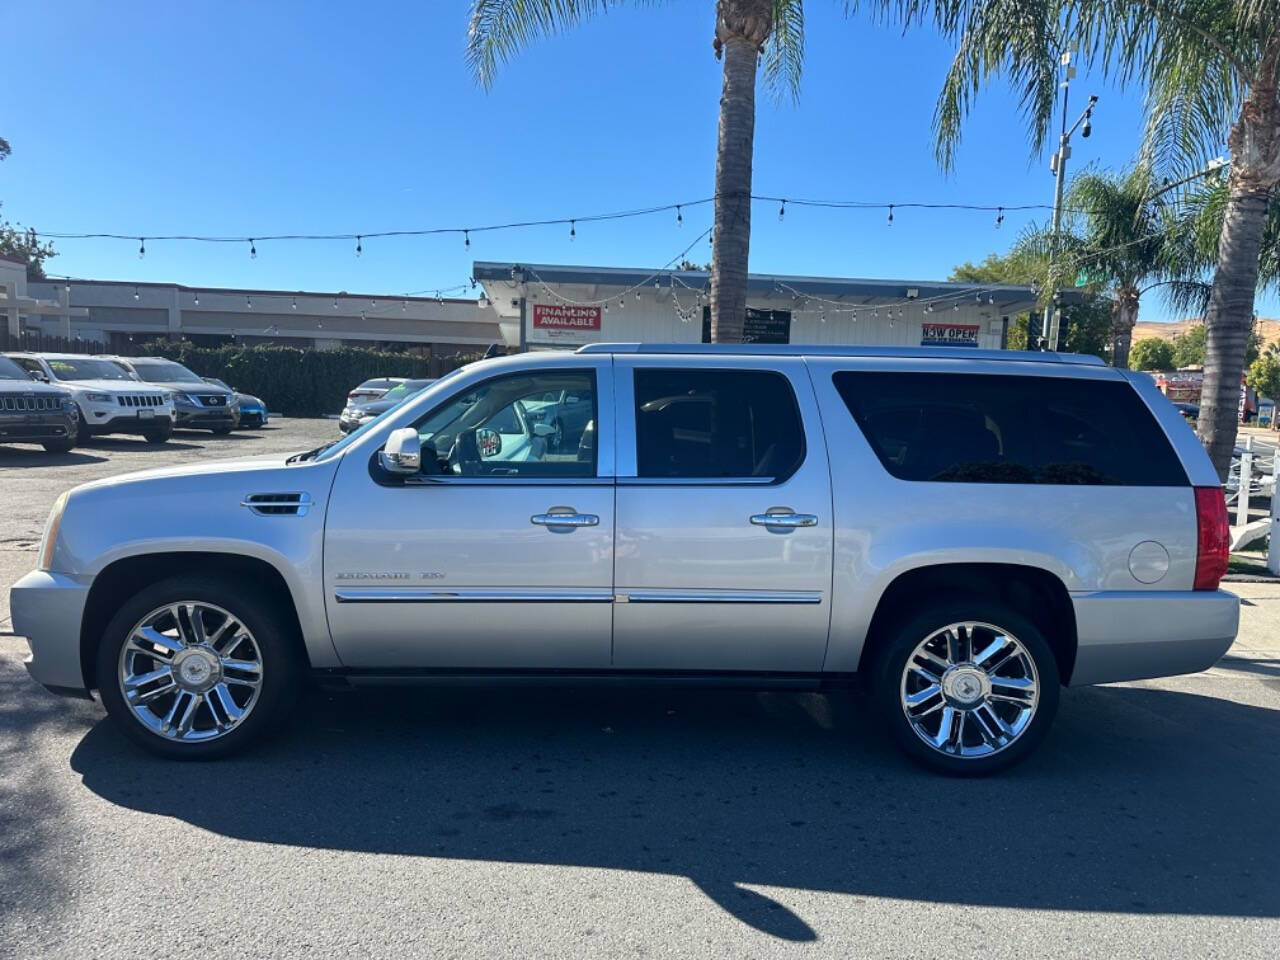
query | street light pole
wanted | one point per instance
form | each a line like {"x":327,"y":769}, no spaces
{"x":1058,"y":165}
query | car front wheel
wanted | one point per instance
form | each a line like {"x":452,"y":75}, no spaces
{"x":197,"y":667}
{"x":967,"y":688}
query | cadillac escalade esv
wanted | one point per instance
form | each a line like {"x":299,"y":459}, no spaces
{"x":962,"y":532}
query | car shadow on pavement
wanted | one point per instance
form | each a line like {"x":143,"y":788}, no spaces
{"x":20,"y":457}
{"x":133,"y":444}
{"x":1142,"y":800}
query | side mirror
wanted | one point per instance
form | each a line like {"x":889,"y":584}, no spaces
{"x":402,"y":454}
{"x":543,"y":430}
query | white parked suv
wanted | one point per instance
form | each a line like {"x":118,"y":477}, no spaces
{"x":963,"y":532}
{"x":109,"y":399}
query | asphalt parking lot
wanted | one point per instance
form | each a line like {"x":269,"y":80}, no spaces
{"x":471,"y":823}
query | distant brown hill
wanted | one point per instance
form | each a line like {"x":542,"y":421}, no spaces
{"x":1270,"y":329}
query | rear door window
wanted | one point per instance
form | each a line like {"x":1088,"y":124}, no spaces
{"x":996,"y":428}
{"x":700,"y":424}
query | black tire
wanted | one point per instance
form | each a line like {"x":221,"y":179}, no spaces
{"x":221,"y":431}
{"x":158,"y":434}
{"x":901,"y":640}
{"x":82,"y":428}
{"x":272,"y":631}
{"x":59,"y":446}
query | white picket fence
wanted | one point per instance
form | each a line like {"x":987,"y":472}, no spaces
{"x":1253,"y":474}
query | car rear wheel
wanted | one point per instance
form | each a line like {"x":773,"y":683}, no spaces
{"x":967,"y":688}
{"x":197,"y":667}
{"x":221,"y":431}
{"x":59,"y":446}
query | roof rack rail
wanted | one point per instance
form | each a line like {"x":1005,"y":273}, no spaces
{"x":841,"y":350}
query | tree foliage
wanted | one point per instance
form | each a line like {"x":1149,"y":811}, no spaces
{"x":1085,"y":326}
{"x":1189,"y":347}
{"x":1152,"y":353}
{"x":1264,"y":375}
{"x":20,"y":244}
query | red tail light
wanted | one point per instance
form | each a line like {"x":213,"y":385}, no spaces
{"x":351,"y":395}
{"x":1213,"y":537}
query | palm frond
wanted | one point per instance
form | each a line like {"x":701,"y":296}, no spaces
{"x":784,"y":51}
{"x":498,"y":29}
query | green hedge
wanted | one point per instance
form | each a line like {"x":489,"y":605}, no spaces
{"x":297,"y":383}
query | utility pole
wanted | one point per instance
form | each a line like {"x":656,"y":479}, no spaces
{"x":1058,"y":165}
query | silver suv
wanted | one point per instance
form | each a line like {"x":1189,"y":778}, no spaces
{"x":960,"y":532}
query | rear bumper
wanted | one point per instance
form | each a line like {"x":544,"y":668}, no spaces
{"x":1135,"y":635}
{"x":47,"y":609}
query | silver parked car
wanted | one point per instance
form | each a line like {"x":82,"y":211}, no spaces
{"x":358,"y":413}
{"x":372,"y":389}
{"x":965,"y":532}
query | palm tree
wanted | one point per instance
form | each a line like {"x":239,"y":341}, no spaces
{"x":745,"y":31}
{"x":1211,"y":71}
{"x":1113,"y":241}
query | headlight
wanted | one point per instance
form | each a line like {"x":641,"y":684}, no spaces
{"x":98,"y":397}
{"x":51,"y":532}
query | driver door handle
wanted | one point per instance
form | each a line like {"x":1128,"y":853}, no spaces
{"x":565,"y":519}
{"x":780,"y":519}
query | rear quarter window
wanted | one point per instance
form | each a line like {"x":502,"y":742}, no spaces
{"x":998,"y":428}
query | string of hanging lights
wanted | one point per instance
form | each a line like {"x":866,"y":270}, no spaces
{"x":572,"y":222}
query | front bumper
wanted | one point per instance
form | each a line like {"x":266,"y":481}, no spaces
{"x":1136,"y":635}
{"x":206,"y":418}
{"x":252,"y":416}
{"x":47,"y":609}
{"x":36,"y":428}
{"x":128,"y":423}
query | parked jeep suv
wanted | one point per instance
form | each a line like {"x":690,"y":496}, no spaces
{"x":35,"y":412}
{"x":108,"y":400}
{"x":963,"y":532}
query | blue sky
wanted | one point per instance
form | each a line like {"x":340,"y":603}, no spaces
{"x":247,"y":118}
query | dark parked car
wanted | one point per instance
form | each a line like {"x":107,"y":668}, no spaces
{"x":197,"y":405}
{"x":33,"y":412}
{"x":253,"y":410}
{"x":372,"y":389}
{"x":356,"y":414}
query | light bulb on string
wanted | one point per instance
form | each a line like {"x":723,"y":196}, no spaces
{"x":294,"y":304}
{"x":373,"y":304}
{"x":253,"y":250}
{"x":955,"y":307}
{"x":679,"y":216}
{"x":466,"y":239}
{"x":403,"y":306}
{"x":606,"y":306}
{"x":136,"y":295}
{"x":196,"y":299}
{"x":248,"y":302}
{"x":335,"y":303}
{"x":782,"y":211}
{"x":573,"y":230}
{"x":622,"y":303}
{"x":142,"y":247}
{"x":891,"y":214}
{"x":359,"y":246}
{"x":999,"y":217}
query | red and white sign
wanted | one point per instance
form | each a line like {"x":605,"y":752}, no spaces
{"x":949,"y":335}
{"x":564,"y":316}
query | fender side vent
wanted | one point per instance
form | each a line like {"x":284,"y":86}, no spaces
{"x":278,"y":504}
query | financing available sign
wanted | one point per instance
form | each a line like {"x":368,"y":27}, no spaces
{"x":565,"y":316}
{"x":949,"y":335}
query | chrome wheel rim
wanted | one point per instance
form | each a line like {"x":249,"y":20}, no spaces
{"x":970,"y":690}
{"x":190,"y":671}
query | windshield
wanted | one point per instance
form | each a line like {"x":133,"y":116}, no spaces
{"x":11,"y":371}
{"x":164,"y":371}
{"x":85,"y":368}
{"x":406,"y":389}
{"x":330,"y":450}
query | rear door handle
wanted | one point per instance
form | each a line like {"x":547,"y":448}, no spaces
{"x":788,"y":519}
{"x":565,"y":519}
